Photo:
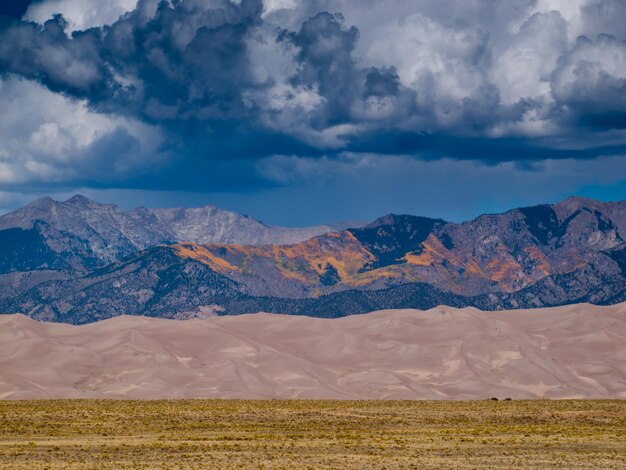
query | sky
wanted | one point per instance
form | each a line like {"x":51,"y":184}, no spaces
{"x":301,"y":113}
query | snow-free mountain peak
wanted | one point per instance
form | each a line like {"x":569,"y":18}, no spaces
{"x":83,"y":232}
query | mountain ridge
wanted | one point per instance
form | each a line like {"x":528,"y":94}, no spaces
{"x":104,"y":233}
{"x":546,"y":255}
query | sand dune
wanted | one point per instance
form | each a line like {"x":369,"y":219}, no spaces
{"x":570,"y":352}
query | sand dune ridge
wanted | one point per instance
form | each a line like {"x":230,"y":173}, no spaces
{"x":568,"y":352}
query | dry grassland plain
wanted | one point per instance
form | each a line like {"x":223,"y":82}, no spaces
{"x":225,"y":434}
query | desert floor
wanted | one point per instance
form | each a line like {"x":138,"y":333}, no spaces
{"x":312,"y":434}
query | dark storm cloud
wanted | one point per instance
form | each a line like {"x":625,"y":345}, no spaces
{"x":326,"y":61}
{"x":587,"y":87}
{"x":74,"y":65}
{"x":381,"y":83}
{"x":188,"y":62}
{"x":490,"y":151}
{"x":227,"y":81}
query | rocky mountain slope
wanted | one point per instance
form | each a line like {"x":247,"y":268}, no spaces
{"x":573,"y":251}
{"x":80,"y":234}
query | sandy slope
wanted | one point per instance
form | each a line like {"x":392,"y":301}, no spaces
{"x":574,"y":352}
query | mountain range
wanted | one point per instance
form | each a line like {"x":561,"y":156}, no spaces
{"x":79,"y":261}
{"x":80,"y":233}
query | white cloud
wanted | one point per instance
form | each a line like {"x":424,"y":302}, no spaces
{"x":272,"y":6}
{"x":80,"y":14}
{"x":421,"y":46}
{"x":469,"y":63}
{"x":48,"y":138}
{"x":494,"y":52}
{"x":523,"y":65}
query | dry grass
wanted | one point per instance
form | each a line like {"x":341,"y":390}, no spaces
{"x":312,"y":434}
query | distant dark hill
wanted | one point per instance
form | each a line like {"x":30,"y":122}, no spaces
{"x":391,"y":237}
